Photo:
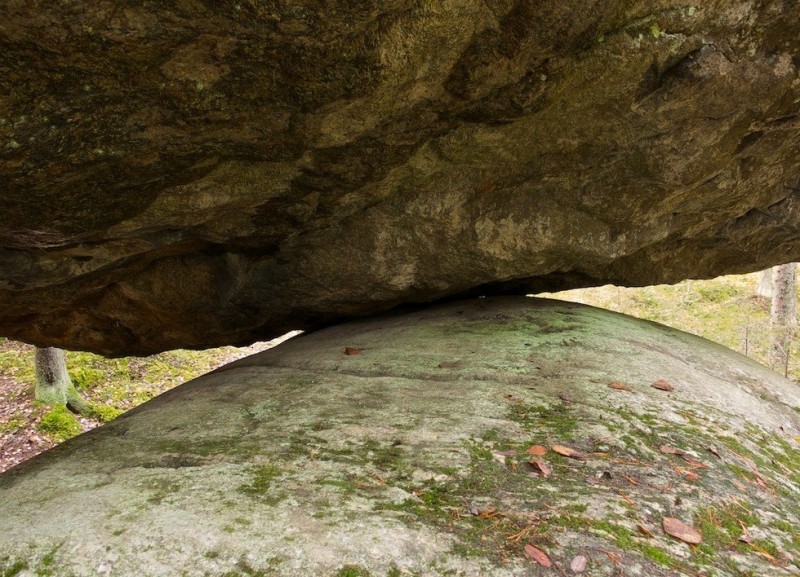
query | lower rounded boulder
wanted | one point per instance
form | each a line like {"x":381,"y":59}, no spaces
{"x":502,"y":436}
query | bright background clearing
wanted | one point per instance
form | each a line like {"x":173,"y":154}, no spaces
{"x":725,"y":310}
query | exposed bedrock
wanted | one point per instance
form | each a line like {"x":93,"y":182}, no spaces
{"x":189,"y":174}
{"x":412,"y":456}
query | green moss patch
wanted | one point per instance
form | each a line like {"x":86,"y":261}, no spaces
{"x":261,"y":484}
{"x":13,"y":568}
{"x":105,"y":413}
{"x":59,"y":423}
{"x":352,"y":571}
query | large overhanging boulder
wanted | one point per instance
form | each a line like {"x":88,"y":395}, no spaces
{"x":469,"y":439}
{"x":187,"y":173}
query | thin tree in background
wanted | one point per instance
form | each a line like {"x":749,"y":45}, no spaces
{"x":765,"y":288}
{"x":783,"y":316}
{"x":53,"y":385}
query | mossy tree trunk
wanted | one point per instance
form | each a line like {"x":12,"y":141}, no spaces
{"x":784,"y":315}
{"x":53,"y":385}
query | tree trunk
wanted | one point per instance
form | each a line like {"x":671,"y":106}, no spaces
{"x":784,"y":315}
{"x":53,"y":385}
{"x":765,"y":287}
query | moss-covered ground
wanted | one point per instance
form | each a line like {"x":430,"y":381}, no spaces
{"x":617,"y":493}
{"x":110,"y":386}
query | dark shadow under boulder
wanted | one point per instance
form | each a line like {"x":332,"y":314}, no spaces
{"x":402,"y":445}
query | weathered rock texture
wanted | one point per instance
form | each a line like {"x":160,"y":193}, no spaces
{"x":410,"y":458}
{"x":186,"y":173}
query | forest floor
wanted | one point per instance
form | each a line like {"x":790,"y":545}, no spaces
{"x":725,"y":310}
{"x":112,"y":386}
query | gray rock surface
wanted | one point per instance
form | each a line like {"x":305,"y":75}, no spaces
{"x":411,"y":458}
{"x":188,"y":174}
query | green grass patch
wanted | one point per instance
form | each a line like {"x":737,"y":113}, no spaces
{"x":725,"y":310}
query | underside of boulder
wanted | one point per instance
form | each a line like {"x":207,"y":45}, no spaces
{"x":485,"y":437}
{"x":187,"y":174}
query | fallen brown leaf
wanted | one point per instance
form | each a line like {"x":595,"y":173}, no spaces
{"x":499,"y":457}
{"x":578,"y":564}
{"x":613,"y":557}
{"x":690,"y":475}
{"x":537,"y":450}
{"x":663,"y":385}
{"x":537,"y":555}
{"x":487,"y":513}
{"x":598,"y":477}
{"x":353,"y":351}
{"x":694,"y":463}
{"x":762,"y":552}
{"x":631,"y":461}
{"x":541,"y":467}
{"x":681,"y":530}
{"x":523,"y":534}
{"x":617,"y":386}
{"x":644,"y":530}
{"x":567,"y":452}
